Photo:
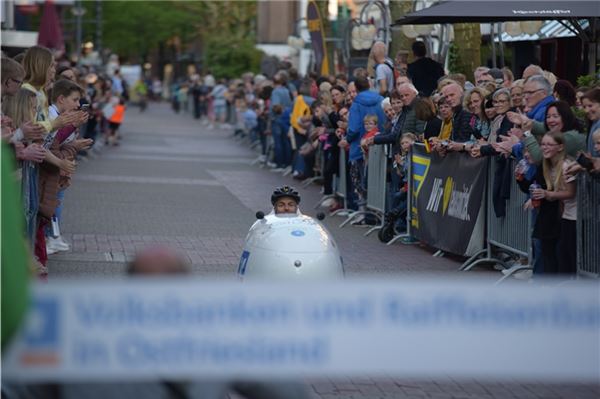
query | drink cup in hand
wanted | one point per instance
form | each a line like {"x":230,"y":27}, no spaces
{"x":534,"y":202}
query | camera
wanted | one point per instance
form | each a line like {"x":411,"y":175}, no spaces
{"x":585,"y":162}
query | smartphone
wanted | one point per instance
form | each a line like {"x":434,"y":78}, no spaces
{"x":585,"y":162}
{"x":84,"y":107}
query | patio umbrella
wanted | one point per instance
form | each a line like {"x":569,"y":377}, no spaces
{"x":50,"y":33}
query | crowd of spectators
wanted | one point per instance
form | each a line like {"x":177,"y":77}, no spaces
{"x":549,"y":128}
{"x":54,"y":115}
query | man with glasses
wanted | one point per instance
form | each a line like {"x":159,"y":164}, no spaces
{"x":12,"y":76}
{"x":537,"y":93}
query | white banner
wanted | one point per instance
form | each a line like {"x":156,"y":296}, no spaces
{"x":186,"y":329}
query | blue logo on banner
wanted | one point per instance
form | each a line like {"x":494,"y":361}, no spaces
{"x":42,"y":328}
{"x":298,"y":233}
{"x":243,"y":263}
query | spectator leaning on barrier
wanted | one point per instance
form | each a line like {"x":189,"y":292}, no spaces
{"x":406,"y":122}
{"x":462,"y":130}
{"x":555,"y":224}
{"x":424,"y":72}
{"x":503,"y":174}
{"x":537,"y":92}
{"x":559,"y":119}
{"x":474,"y":102}
{"x":55,"y":179}
{"x":366,"y":102}
{"x":591,"y":105}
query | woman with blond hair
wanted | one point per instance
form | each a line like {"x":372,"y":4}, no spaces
{"x":556,"y":222}
{"x":474,"y":102}
{"x":40,"y":70}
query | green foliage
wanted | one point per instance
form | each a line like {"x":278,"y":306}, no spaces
{"x":453,"y":58}
{"x":588,"y":80}
{"x":134,"y":28}
{"x":229,"y":57}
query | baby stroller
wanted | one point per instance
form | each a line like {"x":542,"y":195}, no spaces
{"x":390,"y":225}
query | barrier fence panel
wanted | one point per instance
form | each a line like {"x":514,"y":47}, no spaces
{"x":588,"y":225}
{"x":376,"y":183}
{"x":341,"y":184}
{"x":317,"y":167}
{"x":340,"y":189}
{"x":376,"y":178}
{"x":510,"y":234}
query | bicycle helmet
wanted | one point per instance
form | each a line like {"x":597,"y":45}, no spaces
{"x":285,"y":191}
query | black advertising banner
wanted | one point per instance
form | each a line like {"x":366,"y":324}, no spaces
{"x":448,"y":196}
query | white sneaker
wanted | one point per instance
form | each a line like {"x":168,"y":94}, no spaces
{"x":523,"y":274}
{"x":57,"y":244}
{"x":50,"y":250}
{"x":328,"y":202}
{"x":62,"y":245}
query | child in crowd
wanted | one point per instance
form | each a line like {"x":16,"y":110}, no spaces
{"x":114,"y":122}
{"x":371,"y":130}
{"x":596,"y":140}
{"x":66,"y":96}
{"x":20,"y":111}
{"x":63,"y":148}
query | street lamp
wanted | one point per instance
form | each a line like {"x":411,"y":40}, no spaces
{"x":78,"y":12}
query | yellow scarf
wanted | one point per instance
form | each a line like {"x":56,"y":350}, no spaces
{"x":446,"y":130}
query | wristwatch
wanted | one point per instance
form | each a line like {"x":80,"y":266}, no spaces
{"x":526,"y":133}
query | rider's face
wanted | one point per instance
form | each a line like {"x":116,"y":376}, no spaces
{"x":286,"y":205}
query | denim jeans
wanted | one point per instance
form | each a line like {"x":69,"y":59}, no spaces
{"x":30,"y":200}
{"x":536,"y":243}
{"x":282,"y":146}
{"x":60,"y":196}
{"x":299,"y":164}
{"x":358,"y":177}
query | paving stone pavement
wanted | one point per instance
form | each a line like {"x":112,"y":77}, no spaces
{"x":173,"y":181}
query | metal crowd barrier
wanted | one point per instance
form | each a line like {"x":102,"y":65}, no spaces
{"x":588,"y":225}
{"x":376,"y":187}
{"x":317,"y":168}
{"x":377,"y":184}
{"x":507,"y":237}
{"x":407,"y":238}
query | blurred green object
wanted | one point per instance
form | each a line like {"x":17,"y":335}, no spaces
{"x":15,"y":258}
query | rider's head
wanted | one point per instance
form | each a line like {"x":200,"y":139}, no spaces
{"x":285,"y":199}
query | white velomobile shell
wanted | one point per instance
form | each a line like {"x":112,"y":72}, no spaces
{"x":290,"y":247}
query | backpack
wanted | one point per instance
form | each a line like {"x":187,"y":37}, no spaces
{"x":395,"y":74}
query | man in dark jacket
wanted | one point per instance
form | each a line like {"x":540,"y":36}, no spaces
{"x":407,"y":121}
{"x":424,"y":72}
{"x":462,"y":120}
